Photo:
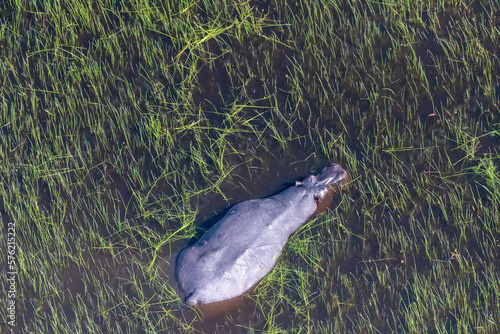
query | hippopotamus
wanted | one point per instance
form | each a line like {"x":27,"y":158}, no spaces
{"x":242,"y":247}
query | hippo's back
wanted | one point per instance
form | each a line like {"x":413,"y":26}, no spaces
{"x":236,"y":252}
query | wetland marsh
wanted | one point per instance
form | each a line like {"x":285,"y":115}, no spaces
{"x":128,"y":128}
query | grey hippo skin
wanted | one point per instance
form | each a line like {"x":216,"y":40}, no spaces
{"x":242,"y":247}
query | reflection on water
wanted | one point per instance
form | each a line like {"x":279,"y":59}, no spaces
{"x":230,"y":315}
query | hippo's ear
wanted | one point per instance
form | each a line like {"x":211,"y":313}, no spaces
{"x":298,"y":183}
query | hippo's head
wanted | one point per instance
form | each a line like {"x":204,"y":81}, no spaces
{"x":330,"y":176}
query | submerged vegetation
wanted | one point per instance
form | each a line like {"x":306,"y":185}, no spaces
{"x":125,"y":125}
